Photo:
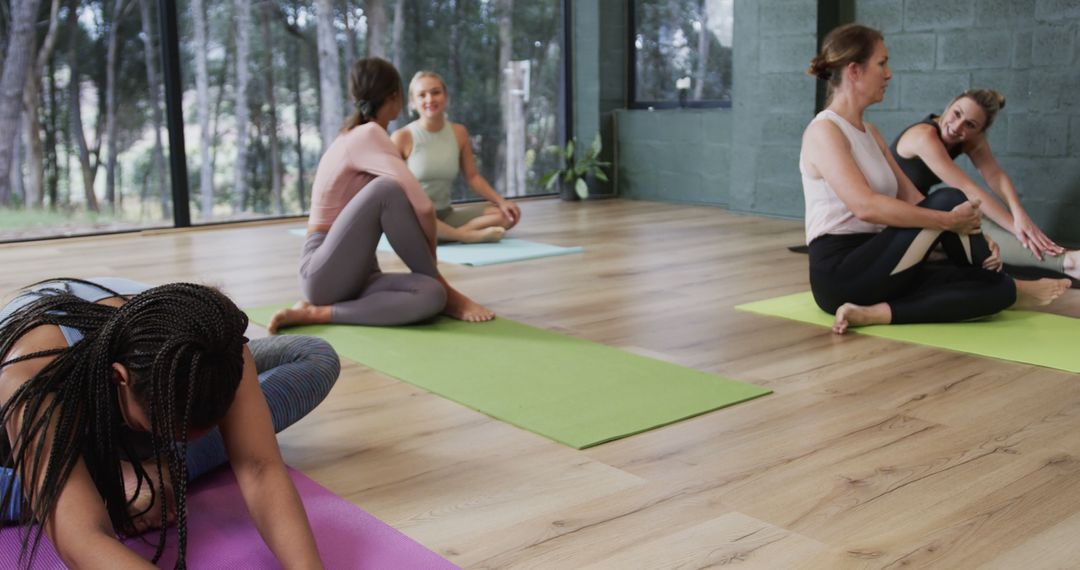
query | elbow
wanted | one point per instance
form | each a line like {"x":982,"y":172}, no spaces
{"x":865,"y":212}
{"x":424,"y":210}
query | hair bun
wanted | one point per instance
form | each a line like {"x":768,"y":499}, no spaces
{"x":819,"y":68}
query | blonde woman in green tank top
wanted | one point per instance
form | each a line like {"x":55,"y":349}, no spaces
{"x":436,"y":151}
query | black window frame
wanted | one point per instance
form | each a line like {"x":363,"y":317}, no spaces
{"x":172,"y":89}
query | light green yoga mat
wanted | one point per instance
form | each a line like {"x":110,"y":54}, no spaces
{"x":573,"y":391}
{"x":480,"y":254}
{"x":1020,"y":336}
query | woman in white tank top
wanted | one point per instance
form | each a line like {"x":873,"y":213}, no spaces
{"x":868,"y":227}
{"x":436,"y":151}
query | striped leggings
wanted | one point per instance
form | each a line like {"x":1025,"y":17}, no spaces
{"x":295,"y":374}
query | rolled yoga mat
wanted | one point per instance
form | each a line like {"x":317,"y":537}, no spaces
{"x":573,"y":391}
{"x":480,"y":254}
{"x":1029,"y":337}
{"x":222,"y":536}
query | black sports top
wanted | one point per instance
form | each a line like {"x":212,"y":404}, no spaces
{"x":921,"y":176}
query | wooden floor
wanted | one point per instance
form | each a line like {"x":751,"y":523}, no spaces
{"x":870,"y":453}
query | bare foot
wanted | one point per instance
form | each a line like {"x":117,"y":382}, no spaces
{"x":302,"y":313}
{"x":852,"y":315}
{"x":485,"y":235}
{"x":460,"y":307}
{"x":1040,"y":292}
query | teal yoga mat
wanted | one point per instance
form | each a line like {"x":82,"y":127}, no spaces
{"x":573,"y":391}
{"x":1029,"y":337}
{"x":480,"y":254}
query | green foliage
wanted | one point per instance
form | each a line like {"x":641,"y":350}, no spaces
{"x":575,"y":170}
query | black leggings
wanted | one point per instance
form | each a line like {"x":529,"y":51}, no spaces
{"x":858,"y":268}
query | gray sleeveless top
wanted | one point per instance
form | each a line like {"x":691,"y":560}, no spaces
{"x":435,"y":161}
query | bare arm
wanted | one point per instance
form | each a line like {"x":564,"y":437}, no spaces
{"x":403,"y":141}
{"x":268,"y":491}
{"x":477,"y":182}
{"x":79,"y":526}
{"x":1022,"y":225}
{"x":828,"y":155}
{"x":923,"y":141}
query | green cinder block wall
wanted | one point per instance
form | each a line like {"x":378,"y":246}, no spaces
{"x":746,"y":158}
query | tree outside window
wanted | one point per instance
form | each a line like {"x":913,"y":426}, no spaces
{"x":681,"y":52}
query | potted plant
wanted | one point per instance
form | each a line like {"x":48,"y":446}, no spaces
{"x":575,"y":170}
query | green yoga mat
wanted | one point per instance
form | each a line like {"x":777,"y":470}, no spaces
{"x":573,"y":391}
{"x":1020,"y":336}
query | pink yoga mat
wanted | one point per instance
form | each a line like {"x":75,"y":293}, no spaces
{"x":222,"y":536}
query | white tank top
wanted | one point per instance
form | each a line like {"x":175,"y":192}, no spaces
{"x":825,"y":212}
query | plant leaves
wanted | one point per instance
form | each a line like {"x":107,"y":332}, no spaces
{"x":581,"y":188}
{"x":570,"y":149}
{"x":599,"y":174}
{"x":549,"y":179}
{"x":597,"y":145}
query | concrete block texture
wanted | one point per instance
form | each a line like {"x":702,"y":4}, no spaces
{"x":786,"y":54}
{"x":885,"y":15}
{"x":1021,"y":51}
{"x":1038,"y":135}
{"x":930,"y":92}
{"x":938,"y":15}
{"x":891,"y":123}
{"x":783,"y":128}
{"x":1074,"y":136}
{"x":911,"y":51}
{"x":1046,"y":89}
{"x":784,"y":92}
{"x":1015,"y":85}
{"x":974,"y":49}
{"x":1004,"y":13}
{"x":1053,"y":45}
{"x":780,"y":17}
{"x":1055,"y":10}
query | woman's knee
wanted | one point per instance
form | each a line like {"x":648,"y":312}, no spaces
{"x":944,"y":199}
{"x":385,"y":188}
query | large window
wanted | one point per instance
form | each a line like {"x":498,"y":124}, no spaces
{"x":84,"y":148}
{"x":681,"y":52}
{"x":262,"y":89}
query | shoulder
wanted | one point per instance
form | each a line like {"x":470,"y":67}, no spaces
{"x":823,"y":131}
{"x":37,"y":339}
{"x":460,"y":133}
{"x":404,"y":134}
{"x":922,"y":133}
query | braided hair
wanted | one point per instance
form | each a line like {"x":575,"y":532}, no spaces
{"x":183,"y":347}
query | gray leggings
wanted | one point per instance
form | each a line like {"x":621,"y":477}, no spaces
{"x":1014,"y":253}
{"x":339,"y":267}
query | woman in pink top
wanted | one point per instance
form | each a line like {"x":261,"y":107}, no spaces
{"x":364,"y":189}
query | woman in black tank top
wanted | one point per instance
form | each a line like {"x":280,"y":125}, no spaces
{"x":926,"y":152}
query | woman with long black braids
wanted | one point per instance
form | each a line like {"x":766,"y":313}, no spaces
{"x":114,"y":395}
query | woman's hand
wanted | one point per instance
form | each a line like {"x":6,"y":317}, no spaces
{"x":965,"y":219}
{"x":993,"y":263}
{"x":1032,"y":237}
{"x":509,"y":210}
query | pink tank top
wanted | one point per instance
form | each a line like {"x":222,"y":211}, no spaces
{"x":354,"y":159}
{"x":825,"y":212}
